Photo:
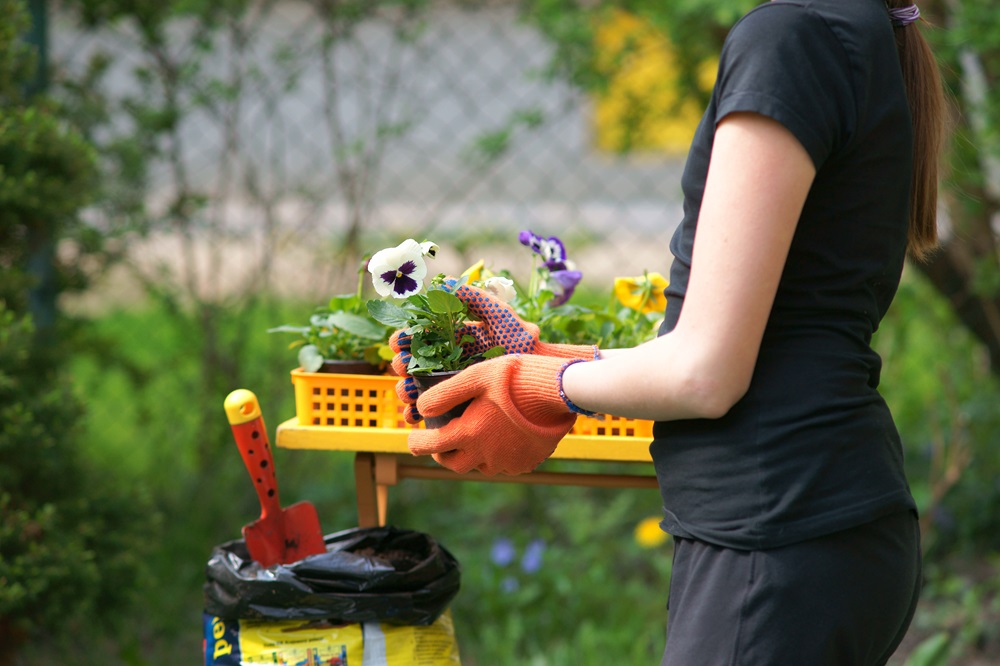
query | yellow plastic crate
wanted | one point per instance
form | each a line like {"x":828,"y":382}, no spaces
{"x":612,"y":426}
{"x":370,"y":401}
{"x":355,"y":401}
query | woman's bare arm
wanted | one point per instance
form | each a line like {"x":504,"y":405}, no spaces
{"x":758,"y":179}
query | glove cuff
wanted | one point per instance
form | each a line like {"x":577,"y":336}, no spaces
{"x":580,"y":352}
{"x":541,"y":398}
{"x":565,"y":398}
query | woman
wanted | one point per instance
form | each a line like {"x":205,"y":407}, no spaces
{"x":811,"y":175}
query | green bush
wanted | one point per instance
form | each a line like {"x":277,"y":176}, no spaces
{"x":937,"y":380}
{"x":73,"y":537}
{"x":70,"y":535}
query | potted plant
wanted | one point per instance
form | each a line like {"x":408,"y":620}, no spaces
{"x":433,"y":316}
{"x":341,"y":337}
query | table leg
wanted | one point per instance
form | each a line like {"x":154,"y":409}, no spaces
{"x":386,"y":474}
{"x":364,"y":488}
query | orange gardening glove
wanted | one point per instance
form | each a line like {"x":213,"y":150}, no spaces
{"x":516,"y":418}
{"x":497,"y":324}
{"x":406,"y":390}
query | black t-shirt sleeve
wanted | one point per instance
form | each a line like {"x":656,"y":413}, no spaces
{"x":783,"y":61}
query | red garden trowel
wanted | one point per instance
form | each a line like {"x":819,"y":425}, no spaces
{"x":279,"y":536}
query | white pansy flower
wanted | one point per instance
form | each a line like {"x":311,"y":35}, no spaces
{"x":500,"y":288}
{"x":398,"y":271}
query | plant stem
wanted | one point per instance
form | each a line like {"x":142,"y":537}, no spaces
{"x":533,"y":288}
{"x":450,"y":325}
{"x":358,"y":304}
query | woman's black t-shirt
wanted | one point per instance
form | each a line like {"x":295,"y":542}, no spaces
{"x":811,"y":448}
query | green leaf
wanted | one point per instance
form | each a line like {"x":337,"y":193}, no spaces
{"x":362,"y":327}
{"x":310,"y":359}
{"x":932,"y":651}
{"x":287,"y":328}
{"x":442,"y":302}
{"x":388,"y":313}
{"x":425,"y":352}
{"x":493,"y":352}
{"x":418,"y":365}
{"x":345,"y":302}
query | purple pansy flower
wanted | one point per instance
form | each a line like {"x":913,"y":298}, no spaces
{"x":551,"y":249}
{"x":398,"y":271}
{"x":562,"y":283}
{"x":562,"y":277}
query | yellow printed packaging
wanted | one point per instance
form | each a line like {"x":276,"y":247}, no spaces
{"x":318,"y":643}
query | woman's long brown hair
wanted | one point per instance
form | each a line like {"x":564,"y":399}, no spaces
{"x":927,"y":108}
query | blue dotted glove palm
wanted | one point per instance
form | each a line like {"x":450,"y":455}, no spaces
{"x":497,"y":324}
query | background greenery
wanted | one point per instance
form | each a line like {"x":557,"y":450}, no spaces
{"x":117,"y":468}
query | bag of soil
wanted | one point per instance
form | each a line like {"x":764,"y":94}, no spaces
{"x":379,"y":574}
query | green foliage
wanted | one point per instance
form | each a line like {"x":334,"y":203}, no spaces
{"x":342,"y":330}
{"x":48,"y":170}
{"x":493,"y":145}
{"x":610,"y":327}
{"x":433,"y":319}
{"x":961,"y":602}
{"x":932,"y":651}
{"x":938,"y":382}
{"x":69,"y":533}
{"x":47,"y":173}
{"x":550,"y":575}
{"x":17,"y":60}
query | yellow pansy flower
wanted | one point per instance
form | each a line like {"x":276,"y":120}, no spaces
{"x":475,"y":271}
{"x":643,"y":293}
{"x":648,"y":533}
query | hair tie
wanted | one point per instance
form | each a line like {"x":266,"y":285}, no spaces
{"x":903,"y":16}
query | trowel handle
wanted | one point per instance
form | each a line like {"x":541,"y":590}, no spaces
{"x":248,"y":428}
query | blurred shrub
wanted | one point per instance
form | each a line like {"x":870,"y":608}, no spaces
{"x":70,"y":535}
{"x":936,"y":378}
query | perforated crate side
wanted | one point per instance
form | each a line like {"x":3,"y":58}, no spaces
{"x":357,"y":401}
{"x":612,"y":426}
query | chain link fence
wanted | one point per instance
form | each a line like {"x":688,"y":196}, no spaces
{"x":297,"y":133}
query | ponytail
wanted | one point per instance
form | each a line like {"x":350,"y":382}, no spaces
{"x":927,"y":108}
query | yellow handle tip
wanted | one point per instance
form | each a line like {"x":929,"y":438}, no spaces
{"x":241,"y":407}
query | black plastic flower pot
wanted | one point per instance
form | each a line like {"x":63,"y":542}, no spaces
{"x":426,"y":381}
{"x":350,"y":367}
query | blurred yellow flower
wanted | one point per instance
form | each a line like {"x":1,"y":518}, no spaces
{"x":643,"y":293}
{"x":642,"y":108}
{"x":475,"y":271}
{"x":648,"y":533}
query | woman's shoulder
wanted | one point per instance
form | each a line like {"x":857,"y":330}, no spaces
{"x":852,"y":23}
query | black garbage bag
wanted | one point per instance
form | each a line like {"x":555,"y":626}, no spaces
{"x":377,"y":574}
